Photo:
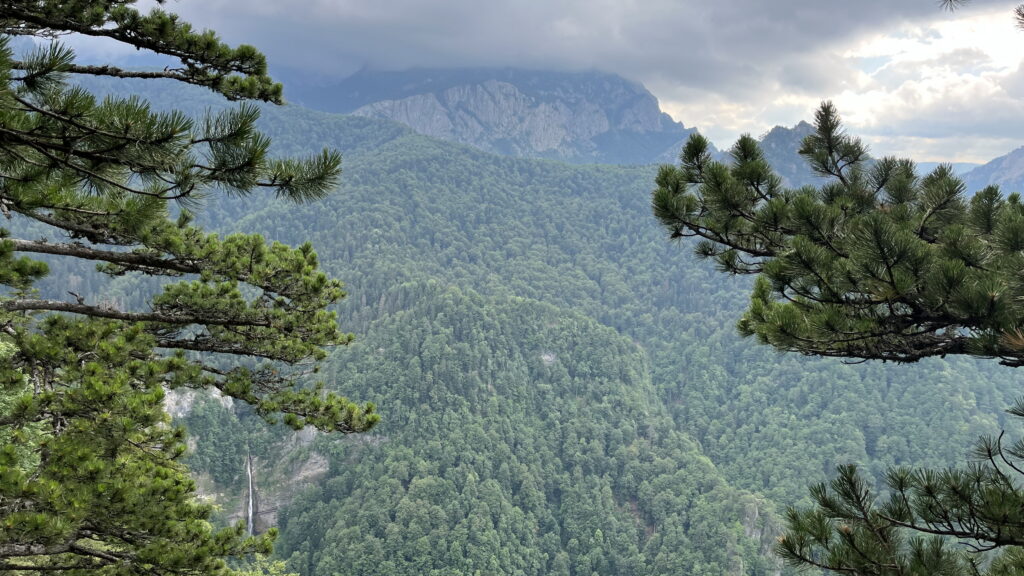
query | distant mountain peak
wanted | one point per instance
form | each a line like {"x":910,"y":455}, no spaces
{"x":801,"y":129}
{"x":1006,"y":171}
{"x":587,"y":116}
{"x":781,"y":148}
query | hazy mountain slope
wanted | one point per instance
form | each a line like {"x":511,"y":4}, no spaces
{"x":1007,"y":172}
{"x":573,"y":116}
{"x":582,"y":238}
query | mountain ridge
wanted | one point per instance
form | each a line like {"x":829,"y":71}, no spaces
{"x":1006,"y":171}
{"x":580,"y":117}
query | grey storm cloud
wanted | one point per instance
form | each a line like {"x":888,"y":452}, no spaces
{"x":726,"y":46}
{"x":725,"y":65}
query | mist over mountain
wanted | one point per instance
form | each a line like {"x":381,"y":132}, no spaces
{"x":580,"y":117}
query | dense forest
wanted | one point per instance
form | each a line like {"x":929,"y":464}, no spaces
{"x":562,"y":390}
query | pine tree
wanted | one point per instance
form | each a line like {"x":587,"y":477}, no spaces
{"x":90,"y":472}
{"x":876,"y":263}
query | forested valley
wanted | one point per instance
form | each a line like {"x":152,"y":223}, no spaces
{"x":476,"y":321}
{"x":562,"y":390}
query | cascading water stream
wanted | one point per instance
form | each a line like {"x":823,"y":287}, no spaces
{"x":248,"y":517}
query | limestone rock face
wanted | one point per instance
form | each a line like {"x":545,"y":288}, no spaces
{"x":781,"y":149}
{"x":571,"y":116}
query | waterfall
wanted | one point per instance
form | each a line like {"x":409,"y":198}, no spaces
{"x":249,"y":523}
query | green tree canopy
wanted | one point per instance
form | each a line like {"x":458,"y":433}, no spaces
{"x":89,"y":477}
{"x":876,"y":263}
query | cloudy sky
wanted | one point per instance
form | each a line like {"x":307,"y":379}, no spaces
{"x":909,"y":77}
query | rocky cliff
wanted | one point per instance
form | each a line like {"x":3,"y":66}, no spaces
{"x":781,"y":148}
{"x":572,"y":116}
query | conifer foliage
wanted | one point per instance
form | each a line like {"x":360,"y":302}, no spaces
{"x":89,"y":470}
{"x":876,"y":263}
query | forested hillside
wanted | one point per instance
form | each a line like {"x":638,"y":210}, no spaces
{"x":563,"y":391}
{"x":523,"y":439}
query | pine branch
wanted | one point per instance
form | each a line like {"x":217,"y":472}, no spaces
{"x":213,"y":345}
{"x":16,"y":550}
{"x":113,"y":71}
{"x":7,"y":566}
{"x":214,"y":66}
{"x":135,"y":259}
{"x":105,"y":172}
{"x":114,"y":314}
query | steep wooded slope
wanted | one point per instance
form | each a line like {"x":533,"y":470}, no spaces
{"x":519,"y":251}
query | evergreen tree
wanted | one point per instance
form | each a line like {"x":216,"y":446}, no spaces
{"x":89,"y":470}
{"x":877,"y":263}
